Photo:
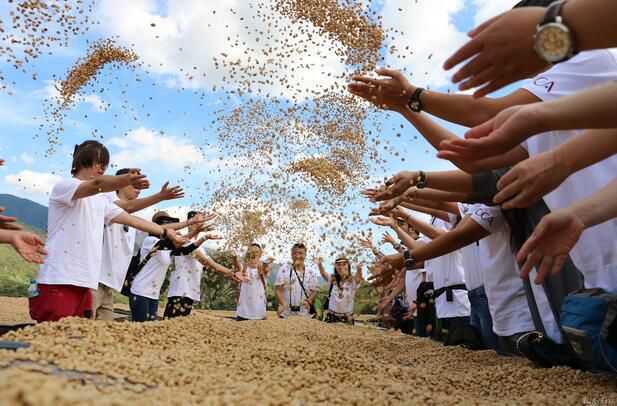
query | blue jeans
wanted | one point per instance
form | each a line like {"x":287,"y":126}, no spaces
{"x":480,"y":317}
{"x":143,"y":308}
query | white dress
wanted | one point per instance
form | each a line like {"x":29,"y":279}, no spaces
{"x":252,"y":303}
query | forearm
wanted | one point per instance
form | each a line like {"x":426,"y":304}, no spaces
{"x":405,"y":238}
{"x":446,"y":206}
{"x":139,"y":224}
{"x":440,"y":195}
{"x":448,"y":242}
{"x":451,"y":181}
{"x":587,"y":149}
{"x":591,"y":108}
{"x":459,"y":108}
{"x":5,"y":237}
{"x":593,"y":23}
{"x":210,"y":263}
{"x":599,"y":207}
{"x":431,"y":131}
{"x":427,"y":210}
{"x":322,"y":271}
{"x":423,"y":227}
{"x":278,"y":291}
{"x":179,"y":226}
{"x":132,"y":206}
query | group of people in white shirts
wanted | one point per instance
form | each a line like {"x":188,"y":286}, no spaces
{"x":472,"y":250}
{"x":93,"y":250}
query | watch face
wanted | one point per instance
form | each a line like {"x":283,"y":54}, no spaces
{"x":553,"y":42}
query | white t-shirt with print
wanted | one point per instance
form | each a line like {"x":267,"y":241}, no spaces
{"x":470,"y":257}
{"x":342,"y":300}
{"x":75,"y":236}
{"x":292,"y":289}
{"x":185,"y":280}
{"x":447,"y":270}
{"x":595,"y":253}
{"x":252,"y":302}
{"x":118,"y":242}
{"x":149,"y":280}
{"x":504,"y":289}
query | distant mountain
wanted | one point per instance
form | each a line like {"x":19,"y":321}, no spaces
{"x":27,"y":211}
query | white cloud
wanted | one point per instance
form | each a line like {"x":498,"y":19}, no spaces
{"x":143,"y":146}
{"x":26,"y":158}
{"x":424,"y":36}
{"x":33,"y":183}
{"x":486,"y":9}
{"x":190,"y":37}
{"x":94,"y":101}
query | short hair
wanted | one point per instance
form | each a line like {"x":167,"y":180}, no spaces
{"x":533,"y":3}
{"x":191,"y":214}
{"x":87,"y":154}
{"x":122,"y":171}
{"x":299,"y":245}
{"x":255,"y":245}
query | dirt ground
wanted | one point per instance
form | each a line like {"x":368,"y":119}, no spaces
{"x":209,"y":359}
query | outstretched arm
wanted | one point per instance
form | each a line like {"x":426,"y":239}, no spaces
{"x":166,"y":193}
{"x":104,"y":184}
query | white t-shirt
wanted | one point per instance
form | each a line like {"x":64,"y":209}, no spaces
{"x":504,"y":289}
{"x":185,"y":280}
{"x":471,"y":263}
{"x":252,"y":302}
{"x":595,"y":253}
{"x":342,"y":300}
{"x":447,"y":270}
{"x":149,"y":280}
{"x":75,"y":236}
{"x":118,"y":242}
{"x":412,"y":282}
{"x":293,"y":293}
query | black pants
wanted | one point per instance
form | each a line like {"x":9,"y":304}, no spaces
{"x":178,"y":306}
{"x":425,"y":321}
{"x":449,"y":329}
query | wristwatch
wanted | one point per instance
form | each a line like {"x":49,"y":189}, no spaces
{"x":553,"y":40}
{"x":420,"y":181}
{"x":410,"y":262}
{"x":414,"y":103}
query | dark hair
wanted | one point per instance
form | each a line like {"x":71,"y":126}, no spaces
{"x":255,"y":245}
{"x":299,"y":245}
{"x":87,"y":154}
{"x":337,"y":277}
{"x":534,"y":3}
{"x":191,"y":214}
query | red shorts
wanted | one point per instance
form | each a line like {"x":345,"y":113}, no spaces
{"x":57,"y":301}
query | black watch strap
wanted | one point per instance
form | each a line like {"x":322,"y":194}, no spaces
{"x":414,"y":103}
{"x":552,"y":12}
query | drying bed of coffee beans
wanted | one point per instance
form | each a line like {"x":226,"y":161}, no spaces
{"x":208,"y":358}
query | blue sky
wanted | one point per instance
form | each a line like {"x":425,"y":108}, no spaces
{"x":154,"y":124}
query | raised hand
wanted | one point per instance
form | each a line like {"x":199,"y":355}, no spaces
{"x":213,"y":236}
{"x":494,"y":137}
{"x":138,"y":180}
{"x":392,"y":91}
{"x":171,"y":193}
{"x":366,"y":242}
{"x":29,"y":246}
{"x":388,"y":239}
{"x":500,"y":52}
{"x":550,"y":243}
{"x":318,"y":261}
{"x":383,"y":221}
{"x":530,"y":180}
{"x":8,"y":222}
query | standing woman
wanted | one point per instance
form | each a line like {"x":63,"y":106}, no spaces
{"x":252,"y":276}
{"x":253,"y":298}
{"x":342,"y":290}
